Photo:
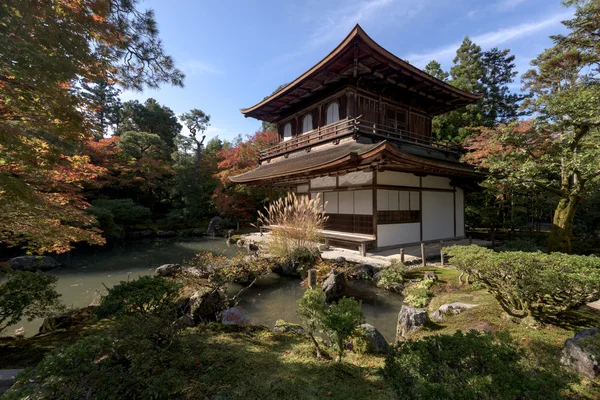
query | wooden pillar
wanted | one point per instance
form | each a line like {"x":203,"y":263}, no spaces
{"x":422,"y":254}
{"x":402,"y":255}
{"x":442,"y":253}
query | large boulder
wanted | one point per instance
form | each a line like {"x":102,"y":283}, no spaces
{"x":334,"y":286}
{"x":450,"y":308}
{"x":288,"y":327}
{"x":168,"y":269}
{"x":582,"y":352}
{"x":58,"y":321}
{"x":236,"y":316}
{"x":33,"y":263}
{"x":215,"y":227}
{"x":204,"y":304}
{"x":375,"y":342}
{"x":410,"y":319}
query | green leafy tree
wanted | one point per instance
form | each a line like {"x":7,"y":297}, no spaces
{"x":311,"y":309}
{"x":150,"y":117}
{"x":197,"y":122}
{"x":143,"y":144}
{"x":26,"y":295}
{"x":565,"y":86}
{"x":49,"y":49}
{"x":340,"y":320}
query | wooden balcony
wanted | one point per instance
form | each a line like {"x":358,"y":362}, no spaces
{"x":350,"y":126}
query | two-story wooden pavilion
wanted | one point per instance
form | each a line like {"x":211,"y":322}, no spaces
{"x":356,"y":128}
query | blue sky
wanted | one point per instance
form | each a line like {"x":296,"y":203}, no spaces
{"x":236,"y":52}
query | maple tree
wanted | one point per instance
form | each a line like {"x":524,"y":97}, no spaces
{"x":49,"y":49}
{"x":241,"y":201}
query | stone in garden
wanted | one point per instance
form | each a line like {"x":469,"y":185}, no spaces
{"x":7,"y":378}
{"x":215,"y":226}
{"x":252,"y":247}
{"x":430,"y":275}
{"x":240,"y":243}
{"x":58,"y":321}
{"x":377,"y":343}
{"x":410,"y":319}
{"x":168,"y":269}
{"x":334,"y":286}
{"x":236,"y":316}
{"x":204,"y":304}
{"x":450,"y":308}
{"x":33,"y":263}
{"x":581,"y":352}
{"x":340,"y":260}
{"x":288,"y":327}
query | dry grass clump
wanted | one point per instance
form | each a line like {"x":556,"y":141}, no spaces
{"x":295,"y":223}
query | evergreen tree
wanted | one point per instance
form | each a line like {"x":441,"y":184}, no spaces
{"x":434,"y":69}
{"x":499,"y":104}
{"x":150,"y":117}
{"x":105,"y":105}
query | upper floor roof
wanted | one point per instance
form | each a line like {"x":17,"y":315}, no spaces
{"x":358,"y":57}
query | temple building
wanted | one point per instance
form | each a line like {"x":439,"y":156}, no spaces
{"x":356,"y":129}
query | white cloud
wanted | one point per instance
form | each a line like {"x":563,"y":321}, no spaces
{"x":196,"y":66}
{"x":489,"y":39}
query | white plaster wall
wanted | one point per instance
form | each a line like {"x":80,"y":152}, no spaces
{"x":383,"y":200}
{"x":395,"y":178}
{"x":363,"y":202}
{"x":397,"y":234}
{"x":460,"y":212}
{"x":436,"y":182}
{"x":438,"y":215}
{"x":355,"y":178}
{"x":302,"y":189}
{"x":403,"y":200}
{"x":331,"y":202}
{"x":414,"y":201}
{"x":323,"y":182}
{"x":346,"y":202}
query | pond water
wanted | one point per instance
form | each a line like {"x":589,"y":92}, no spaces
{"x":85,"y":274}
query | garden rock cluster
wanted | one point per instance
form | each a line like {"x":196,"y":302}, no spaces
{"x":582,"y":352}
{"x":236,"y":316}
{"x":168,"y":270}
{"x":410,"y":319}
{"x":288,"y":327}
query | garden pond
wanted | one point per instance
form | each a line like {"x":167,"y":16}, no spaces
{"x":86,"y":275}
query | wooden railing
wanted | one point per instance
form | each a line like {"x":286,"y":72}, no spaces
{"x":347,"y":127}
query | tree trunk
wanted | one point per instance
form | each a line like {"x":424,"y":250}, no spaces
{"x":562,"y":225}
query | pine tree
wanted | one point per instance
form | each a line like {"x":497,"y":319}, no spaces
{"x":499,"y":105}
{"x":105,"y":105}
{"x":150,"y":117}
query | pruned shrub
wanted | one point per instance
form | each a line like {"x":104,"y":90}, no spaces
{"x":295,"y":224}
{"x":391,"y":277}
{"x":419,"y":294}
{"x":473,"y":365}
{"x":338,"y":320}
{"x":535,"y":284}
{"x":27,"y":295}
{"x":140,"y":296}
